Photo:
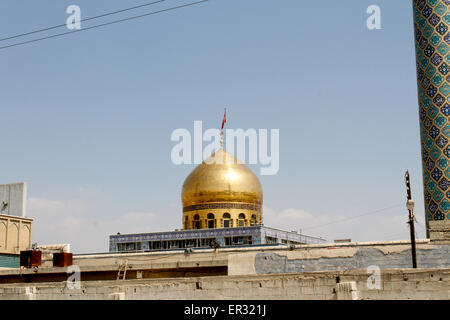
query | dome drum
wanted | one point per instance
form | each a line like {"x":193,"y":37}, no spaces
{"x":220,"y":218}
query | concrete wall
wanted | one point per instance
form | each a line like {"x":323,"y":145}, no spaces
{"x":439,"y":230}
{"x":349,"y":256}
{"x":369,"y":270}
{"x":281,"y":259}
{"x":337,"y":285}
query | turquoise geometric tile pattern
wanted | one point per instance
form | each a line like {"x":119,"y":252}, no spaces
{"x":432,"y":39}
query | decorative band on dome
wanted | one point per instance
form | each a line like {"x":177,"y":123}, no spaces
{"x":222,"y":205}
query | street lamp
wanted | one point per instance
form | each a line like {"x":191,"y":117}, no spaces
{"x":410,"y":207}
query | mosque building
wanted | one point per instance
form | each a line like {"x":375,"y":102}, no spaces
{"x":222,"y":206}
{"x":222,"y":198}
{"x":222,"y":201}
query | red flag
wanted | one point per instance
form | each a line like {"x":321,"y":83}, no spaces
{"x":224,"y":118}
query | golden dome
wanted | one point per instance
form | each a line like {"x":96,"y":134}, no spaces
{"x":225,"y":180}
{"x":221,"y":192}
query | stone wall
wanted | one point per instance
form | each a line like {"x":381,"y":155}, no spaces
{"x":349,"y":256}
{"x":439,"y":230}
{"x":362,"y":258}
{"x":368,"y":270}
{"x":336,"y":285}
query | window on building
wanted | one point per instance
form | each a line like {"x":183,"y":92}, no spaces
{"x":226,"y":220}
{"x":191,"y":243}
{"x":253,"y":220}
{"x":129,"y":246}
{"x":271,"y":240}
{"x":206,"y":242}
{"x":176,"y":244}
{"x":211,"y":221}
{"x":241,"y":220}
{"x":197,"y":222}
{"x":156,"y":244}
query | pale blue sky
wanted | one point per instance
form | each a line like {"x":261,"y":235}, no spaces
{"x":88,"y":117}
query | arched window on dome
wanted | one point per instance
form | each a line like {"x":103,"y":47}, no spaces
{"x":211,"y":221}
{"x":226,"y":220}
{"x":241,"y":220}
{"x":186,"y":222}
{"x":197,"y":222}
{"x":253,"y":220}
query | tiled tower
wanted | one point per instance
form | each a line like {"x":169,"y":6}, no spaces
{"x":432,"y":40}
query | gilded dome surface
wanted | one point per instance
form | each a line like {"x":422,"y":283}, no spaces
{"x":221,"y":178}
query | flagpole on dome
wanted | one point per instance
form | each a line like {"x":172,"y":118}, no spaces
{"x":221,"y":130}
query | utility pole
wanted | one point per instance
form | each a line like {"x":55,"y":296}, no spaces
{"x":410,"y":207}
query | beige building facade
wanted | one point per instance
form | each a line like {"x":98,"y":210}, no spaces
{"x":15,"y":228}
{"x":15,"y":234}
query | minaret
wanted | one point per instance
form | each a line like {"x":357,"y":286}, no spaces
{"x":432,"y":42}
